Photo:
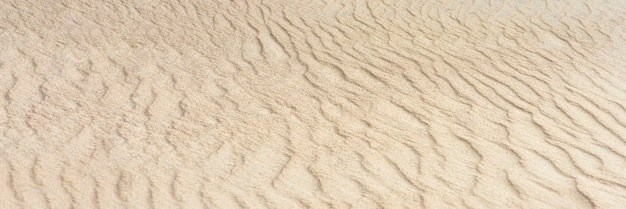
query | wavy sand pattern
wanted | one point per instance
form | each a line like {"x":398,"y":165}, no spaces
{"x":312,"y":104}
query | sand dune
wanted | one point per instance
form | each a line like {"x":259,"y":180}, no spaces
{"x":312,"y":104}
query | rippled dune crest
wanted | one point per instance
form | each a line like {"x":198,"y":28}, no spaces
{"x":312,"y":104}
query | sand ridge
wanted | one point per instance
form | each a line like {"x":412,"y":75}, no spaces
{"x":312,"y":104}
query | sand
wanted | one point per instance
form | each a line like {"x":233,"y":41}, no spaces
{"x":312,"y":104}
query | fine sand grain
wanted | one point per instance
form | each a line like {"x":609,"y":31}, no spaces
{"x":312,"y":104}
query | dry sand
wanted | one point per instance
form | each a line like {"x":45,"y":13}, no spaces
{"x":312,"y":104}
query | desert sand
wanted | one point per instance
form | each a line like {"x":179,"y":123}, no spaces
{"x":312,"y":104}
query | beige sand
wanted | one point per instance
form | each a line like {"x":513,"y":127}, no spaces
{"x":312,"y":104}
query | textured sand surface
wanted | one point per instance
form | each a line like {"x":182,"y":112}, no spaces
{"x":312,"y":104}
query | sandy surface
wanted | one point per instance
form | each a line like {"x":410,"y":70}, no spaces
{"x":312,"y":104}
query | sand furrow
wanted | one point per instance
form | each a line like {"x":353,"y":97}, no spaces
{"x":312,"y":104}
